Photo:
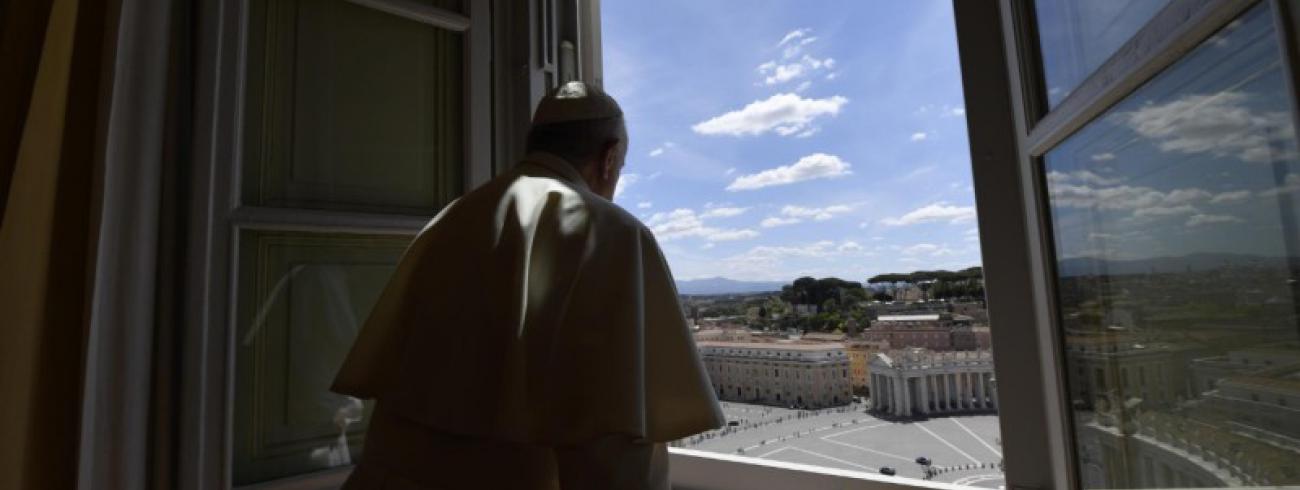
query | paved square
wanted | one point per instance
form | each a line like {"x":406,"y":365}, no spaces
{"x":963,"y":449}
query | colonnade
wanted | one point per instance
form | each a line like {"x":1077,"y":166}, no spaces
{"x":906,"y":394}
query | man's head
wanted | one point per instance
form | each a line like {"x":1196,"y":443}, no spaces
{"x":584,"y":126}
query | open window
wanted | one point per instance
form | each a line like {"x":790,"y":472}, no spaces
{"x":1135,"y":167}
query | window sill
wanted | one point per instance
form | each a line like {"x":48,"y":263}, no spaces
{"x":691,"y":469}
{"x":700,"y":470}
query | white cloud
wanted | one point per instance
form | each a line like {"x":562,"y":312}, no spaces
{"x":793,"y":35}
{"x":1103,"y":157}
{"x":1231,"y":196}
{"x":803,"y":86}
{"x":1220,"y":124}
{"x":1143,"y":201}
{"x":815,"y":166}
{"x":796,"y":214}
{"x":723,"y":212}
{"x":730,"y":171}
{"x":731,"y":235}
{"x":1156,"y":211}
{"x":1291,"y":184}
{"x":682,"y":223}
{"x":776,"y":74}
{"x":919,"y":136}
{"x":817,"y":214}
{"x":939,"y":211}
{"x":644,"y":205}
{"x":942,"y":111}
{"x":762,"y":260}
{"x":773,"y":221}
{"x":928,"y":249}
{"x":625,"y":181}
{"x":659,"y":150}
{"x":1209,"y":219}
{"x":786,"y":114}
{"x":1080,"y":176}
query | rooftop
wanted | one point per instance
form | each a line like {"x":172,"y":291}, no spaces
{"x":803,"y":346}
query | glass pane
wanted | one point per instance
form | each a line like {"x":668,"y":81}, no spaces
{"x":1077,"y":36}
{"x":302,"y":299}
{"x":351,"y":108}
{"x":1178,"y":253}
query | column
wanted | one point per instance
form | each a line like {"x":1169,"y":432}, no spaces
{"x":924,"y":381}
{"x":907,"y":395}
{"x":983,"y":392}
{"x":941,"y":382}
{"x":899,"y":397}
{"x":969,"y":397}
{"x":963,"y":391}
{"x":956,"y":391}
{"x":893,"y":397}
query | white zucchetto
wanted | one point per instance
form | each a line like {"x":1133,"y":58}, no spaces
{"x":576,"y":101}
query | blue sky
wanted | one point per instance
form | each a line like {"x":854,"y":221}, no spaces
{"x":775,"y":139}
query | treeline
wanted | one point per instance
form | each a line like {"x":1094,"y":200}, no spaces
{"x":939,"y":284}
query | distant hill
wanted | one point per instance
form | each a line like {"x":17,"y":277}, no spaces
{"x":722,"y":285}
{"x":1200,"y":262}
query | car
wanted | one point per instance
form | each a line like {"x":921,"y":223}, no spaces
{"x":885,"y":470}
{"x":733,"y":423}
{"x":923,"y":461}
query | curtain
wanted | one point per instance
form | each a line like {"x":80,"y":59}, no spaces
{"x":50,"y":82}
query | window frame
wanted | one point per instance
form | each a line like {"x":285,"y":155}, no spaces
{"x":1048,"y":459}
{"x":204,"y":418}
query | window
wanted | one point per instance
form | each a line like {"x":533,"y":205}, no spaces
{"x":1077,"y":37}
{"x":348,"y":125}
{"x":719,"y":182}
{"x":1178,"y":206}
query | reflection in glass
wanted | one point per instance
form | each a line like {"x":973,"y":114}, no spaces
{"x":302,"y":300}
{"x":1077,"y":36}
{"x":1178,"y":250}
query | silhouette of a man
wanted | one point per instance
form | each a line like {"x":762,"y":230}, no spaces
{"x":531,"y":337}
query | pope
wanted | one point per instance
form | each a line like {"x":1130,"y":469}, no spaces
{"x":531,"y":336}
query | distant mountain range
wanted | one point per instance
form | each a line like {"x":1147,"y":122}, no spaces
{"x":722,"y":285}
{"x":1081,"y":266}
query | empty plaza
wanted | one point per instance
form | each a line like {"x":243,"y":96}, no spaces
{"x":961,"y":449}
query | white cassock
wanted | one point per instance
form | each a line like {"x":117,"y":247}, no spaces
{"x":530,"y":316}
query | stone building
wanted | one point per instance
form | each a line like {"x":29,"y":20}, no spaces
{"x":971,"y":337}
{"x":723,"y":335}
{"x":919,"y":382}
{"x":860,"y":353}
{"x":1125,"y":367}
{"x":787,"y":374}
{"x":1241,"y":430}
{"x":930,"y":331}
